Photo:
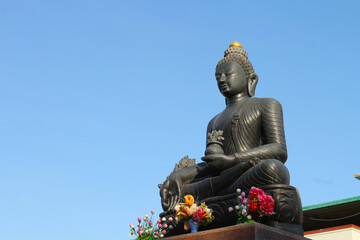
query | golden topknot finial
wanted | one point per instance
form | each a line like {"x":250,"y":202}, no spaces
{"x":236,"y":44}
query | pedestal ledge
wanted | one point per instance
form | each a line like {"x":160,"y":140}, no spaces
{"x":248,"y":231}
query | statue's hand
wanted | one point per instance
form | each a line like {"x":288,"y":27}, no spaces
{"x":219,"y":161}
{"x":170,"y":192}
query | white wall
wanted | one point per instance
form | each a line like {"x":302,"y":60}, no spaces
{"x":340,"y":234}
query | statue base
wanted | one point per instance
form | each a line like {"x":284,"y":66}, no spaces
{"x":287,"y":217}
{"x":246,"y":231}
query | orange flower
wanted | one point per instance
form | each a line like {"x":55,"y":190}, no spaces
{"x":186,"y":225}
{"x":185,"y":212}
{"x":189,"y":200}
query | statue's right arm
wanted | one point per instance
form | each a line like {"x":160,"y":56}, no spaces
{"x":209,"y":128}
{"x":173,"y":188}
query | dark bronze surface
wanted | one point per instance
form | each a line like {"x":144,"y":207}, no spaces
{"x":246,"y":148}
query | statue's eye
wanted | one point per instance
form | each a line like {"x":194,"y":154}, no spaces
{"x":228,"y":74}
{"x":217,"y":76}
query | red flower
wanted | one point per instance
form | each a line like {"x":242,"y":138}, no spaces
{"x":199,"y":215}
{"x":267,"y":204}
{"x":255,"y":193}
{"x":253,"y":206}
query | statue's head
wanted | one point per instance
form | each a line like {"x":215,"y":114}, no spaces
{"x":234,"y":73}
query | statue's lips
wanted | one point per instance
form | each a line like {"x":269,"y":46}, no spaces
{"x":224,"y":87}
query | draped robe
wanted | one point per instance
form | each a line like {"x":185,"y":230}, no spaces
{"x":253,"y":131}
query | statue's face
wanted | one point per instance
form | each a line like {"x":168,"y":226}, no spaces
{"x":231,"y":79}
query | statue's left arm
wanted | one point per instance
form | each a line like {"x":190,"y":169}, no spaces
{"x":272,"y":134}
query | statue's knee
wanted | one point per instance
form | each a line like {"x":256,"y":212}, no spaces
{"x":277,"y":171}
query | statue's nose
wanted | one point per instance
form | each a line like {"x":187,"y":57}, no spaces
{"x":222,"y":78}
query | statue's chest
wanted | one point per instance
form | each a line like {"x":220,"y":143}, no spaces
{"x":223,"y":120}
{"x":238,"y":114}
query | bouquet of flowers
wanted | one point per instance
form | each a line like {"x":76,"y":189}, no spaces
{"x":147,"y":230}
{"x":251,"y":208}
{"x":189,"y":211}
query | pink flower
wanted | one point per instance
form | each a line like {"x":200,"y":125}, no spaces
{"x":267,"y":204}
{"x":140,"y":228}
{"x":230,"y":209}
{"x":159,"y":220}
{"x":150,"y":222}
{"x":157,"y":233}
{"x":255,"y":193}
{"x":160,"y":225}
{"x":165,"y":225}
{"x":152,"y":211}
{"x":244,"y":201}
{"x":170,"y":219}
{"x":139,"y":219}
{"x":199,"y":215}
{"x":177,"y":208}
{"x":140,"y":232}
{"x":164,"y":231}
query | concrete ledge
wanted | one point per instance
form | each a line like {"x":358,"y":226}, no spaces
{"x":248,"y":231}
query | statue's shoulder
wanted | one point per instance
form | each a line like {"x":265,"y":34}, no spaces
{"x":266,"y":102}
{"x":266,"y":105}
{"x":213,"y":119}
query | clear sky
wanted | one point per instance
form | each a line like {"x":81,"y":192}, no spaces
{"x":100,"y":99}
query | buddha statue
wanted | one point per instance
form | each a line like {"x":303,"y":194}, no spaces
{"x":245,"y":147}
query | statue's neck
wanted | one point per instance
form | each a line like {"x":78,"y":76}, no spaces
{"x":237,"y":98}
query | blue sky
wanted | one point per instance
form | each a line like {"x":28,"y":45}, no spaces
{"x":100,"y":99}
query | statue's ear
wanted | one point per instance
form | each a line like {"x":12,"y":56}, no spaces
{"x":253,"y":80}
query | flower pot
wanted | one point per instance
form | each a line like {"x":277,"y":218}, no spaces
{"x":194,"y":225}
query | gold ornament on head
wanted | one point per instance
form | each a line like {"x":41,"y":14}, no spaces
{"x":236,"y":44}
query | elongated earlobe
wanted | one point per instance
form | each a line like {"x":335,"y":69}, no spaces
{"x":253,"y":80}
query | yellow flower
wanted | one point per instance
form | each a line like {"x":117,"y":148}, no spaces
{"x":189,"y":200}
{"x":203,"y":205}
